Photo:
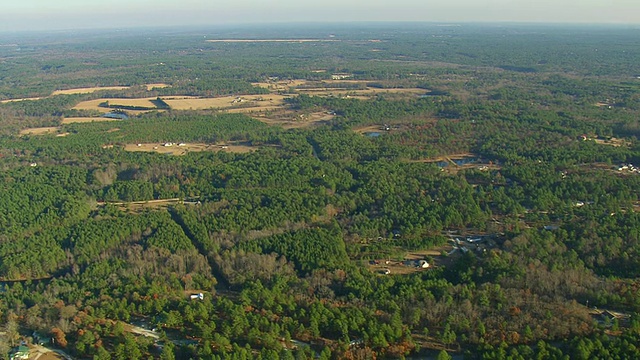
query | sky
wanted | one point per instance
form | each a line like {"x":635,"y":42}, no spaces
{"x":22,"y":15}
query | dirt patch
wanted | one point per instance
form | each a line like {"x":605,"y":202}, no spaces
{"x":182,"y":149}
{"x":87,"y":90}
{"x":72,"y":120}
{"x":40,"y":131}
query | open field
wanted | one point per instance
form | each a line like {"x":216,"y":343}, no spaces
{"x":612,"y":142}
{"x":290,"y":120}
{"x":21,"y":99}
{"x":72,"y":120}
{"x":157,"y":86}
{"x":94,"y":104}
{"x":253,"y":102}
{"x":407,"y":265}
{"x":40,"y":131}
{"x":88,"y":90}
{"x":280,"y":85}
{"x":177,"y":149}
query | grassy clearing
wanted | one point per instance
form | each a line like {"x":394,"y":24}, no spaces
{"x":41,"y":131}
{"x":87,"y":90}
{"x":94,"y":104}
{"x":22,"y":99}
{"x":72,"y":120}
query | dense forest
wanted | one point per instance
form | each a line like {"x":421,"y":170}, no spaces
{"x":420,"y":192}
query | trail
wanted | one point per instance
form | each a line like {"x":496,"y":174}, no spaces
{"x":201,"y":249}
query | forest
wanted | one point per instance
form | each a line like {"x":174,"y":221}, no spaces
{"x":420,"y":192}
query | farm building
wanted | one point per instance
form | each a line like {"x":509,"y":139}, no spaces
{"x":199,"y":296}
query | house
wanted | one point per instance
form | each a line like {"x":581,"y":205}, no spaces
{"x":340,"y":76}
{"x":199,"y":296}
{"x":22,"y":352}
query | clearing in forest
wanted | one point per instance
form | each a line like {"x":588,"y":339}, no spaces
{"x":71,"y":120}
{"x":21,"y":99}
{"x":288,"y":119}
{"x":87,"y":90}
{"x":41,"y":131}
{"x":157,"y":86}
{"x":243,"y":103}
{"x":184,"y":148}
{"x":124,"y":103}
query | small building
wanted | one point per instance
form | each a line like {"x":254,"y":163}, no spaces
{"x":199,"y":296}
{"x":22,"y":352}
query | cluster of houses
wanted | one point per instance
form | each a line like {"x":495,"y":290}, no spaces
{"x":628,"y":167}
{"x":477,"y":243}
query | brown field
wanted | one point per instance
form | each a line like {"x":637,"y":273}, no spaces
{"x":189,"y":147}
{"x":22,"y":99}
{"x":398,"y":267}
{"x":368,"y":129}
{"x":87,"y":90}
{"x":612,"y":142}
{"x":270,"y":40}
{"x":157,"y":86}
{"x":40,"y":131}
{"x":71,"y":120}
{"x":290,"y":120}
{"x":93,"y":104}
{"x":280,"y":85}
{"x":250,"y":102}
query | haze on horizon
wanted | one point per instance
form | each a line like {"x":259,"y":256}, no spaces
{"x":21,"y":15}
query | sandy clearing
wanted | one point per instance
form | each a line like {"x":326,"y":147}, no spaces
{"x":40,"y":131}
{"x":289,"y":120}
{"x":189,"y":147}
{"x":253,"y":102}
{"x":71,"y":120}
{"x":87,"y":90}
{"x":21,"y":99}
{"x":157,"y":86}
{"x":612,"y":142}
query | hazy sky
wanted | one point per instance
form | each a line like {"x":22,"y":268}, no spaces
{"x":69,"y":14}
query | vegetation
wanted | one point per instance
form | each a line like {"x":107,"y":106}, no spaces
{"x":511,"y":176}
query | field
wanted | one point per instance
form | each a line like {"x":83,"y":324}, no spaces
{"x":244,"y":103}
{"x":88,"y":90}
{"x":292,"y":120}
{"x":157,"y":86}
{"x":22,"y":99}
{"x":612,"y":142}
{"x":41,"y":131}
{"x":72,"y":120}
{"x":177,"y":149}
{"x":94,"y":104}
